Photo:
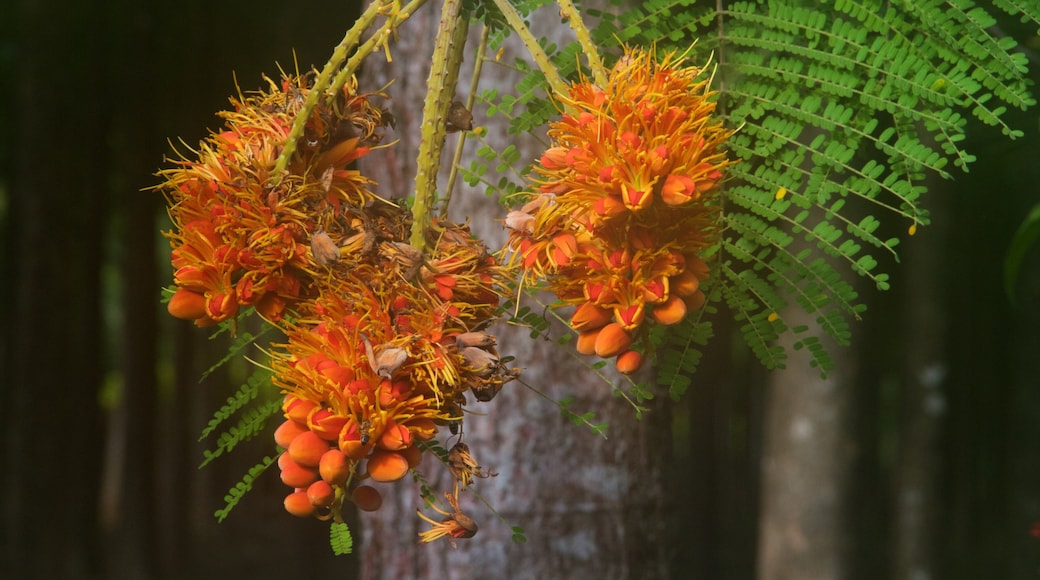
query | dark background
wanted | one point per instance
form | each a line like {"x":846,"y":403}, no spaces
{"x":99,"y":387}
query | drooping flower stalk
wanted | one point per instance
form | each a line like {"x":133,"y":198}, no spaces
{"x":332,"y":68}
{"x":478,"y":63}
{"x":570,"y":12}
{"x":378,"y":39}
{"x":444,"y":74}
{"x":541,"y":60}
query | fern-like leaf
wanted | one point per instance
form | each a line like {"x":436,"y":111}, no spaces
{"x":340,"y":539}
{"x":246,"y":393}
{"x":238,"y":491}
{"x":248,"y":426}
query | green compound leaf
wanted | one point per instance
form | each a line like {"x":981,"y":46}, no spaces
{"x":340,"y":539}
{"x":236,"y":493}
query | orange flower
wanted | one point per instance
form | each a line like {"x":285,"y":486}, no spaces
{"x":627,"y":197}
{"x":240,"y":234}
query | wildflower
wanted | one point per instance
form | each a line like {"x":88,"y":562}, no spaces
{"x":626,"y":199}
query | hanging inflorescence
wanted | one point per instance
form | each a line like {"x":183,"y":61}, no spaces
{"x":386,"y":335}
{"x":626,"y":200}
{"x":384,"y":343}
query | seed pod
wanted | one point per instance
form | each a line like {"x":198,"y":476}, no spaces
{"x":519,"y":221}
{"x":479,"y":361}
{"x":324,"y":250}
{"x":459,"y":118}
{"x":386,"y":362}
{"x":477,"y":339}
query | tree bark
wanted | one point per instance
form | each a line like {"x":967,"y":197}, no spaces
{"x":589,"y":507}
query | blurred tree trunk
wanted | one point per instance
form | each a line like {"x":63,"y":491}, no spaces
{"x":589,"y":507}
{"x":924,"y":328}
{"x":53,"y":335}
{"x":807,"y":457}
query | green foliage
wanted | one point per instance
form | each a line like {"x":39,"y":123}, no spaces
{"x":842,"y":110}
{"x":677,"y":362}
{"x":239,"y":490}
{"x":251,"y":421}
{"x":340,"y":539}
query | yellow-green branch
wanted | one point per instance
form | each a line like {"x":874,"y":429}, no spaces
{"x":350,"y":40}
{"x":531,"y":43}
{"x":474,"y":82}
{"x":569,"y":11}
{"x":444,"y":74}
{"x":377,"y":40}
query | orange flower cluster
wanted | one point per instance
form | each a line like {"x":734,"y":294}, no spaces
{"x":384,"y":341}
{"x":384,"y":356}
{"x":241,"y":233}
{"x":626,"y":201}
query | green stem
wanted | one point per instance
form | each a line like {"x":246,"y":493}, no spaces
{"x":376,"y":41}
{"x":473,"y":84}
{"x":516,"y":22}
{"x":349,"y":41}
{"x":570,"y":12}
{"x":444,"y":74}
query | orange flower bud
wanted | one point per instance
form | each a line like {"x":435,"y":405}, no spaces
{"x":413,"y":454}
{"x":298,"y":409}
{"x":325,"y":424}
{"x":299,"y":505}
{"x":334,"y":467}
{"x":628,"y":362}
{"x":394,"y":436}
{"x":685,"y":283}
{"x":612,"y":340}
{"x":367,"y":498}
{"x":321,"y":494}
{"x":671,"y":311}
{"x":695,"y":301}
{"x":588,"y":316}
{"x":630,"y":317}
{"x":187,"y":304}
{"x":424,"y":428}
{"x":307,"y":449}
{"x":286,"y":432}
{"x":678,"y":190}
{"x":296,"y":475}
{"x":587,"y":342}
{"x":386,"y":466}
